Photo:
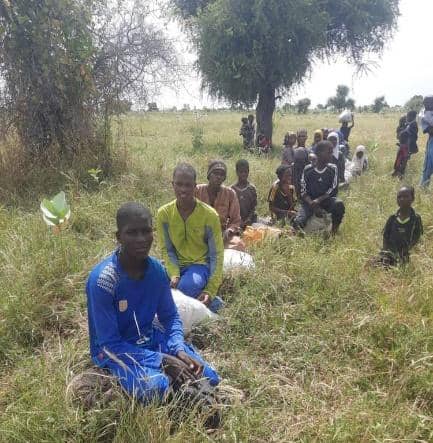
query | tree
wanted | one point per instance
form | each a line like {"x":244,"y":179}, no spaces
{"x":340,"y":100}
{"x":379,"y":104}
{"x":249,"y":52}
{"x":415,"y":103}
{"x":302,"y":105}
{"x":69,"y":64}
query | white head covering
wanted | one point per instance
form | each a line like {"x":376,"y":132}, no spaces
{"x":357,"y":164}
{"x":336,"y":150}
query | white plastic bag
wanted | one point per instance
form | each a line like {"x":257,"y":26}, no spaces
{"x":345,"y":116}
{"x":237,"y":260}
{"x":318,"y":224}
{"x":191,"y":311}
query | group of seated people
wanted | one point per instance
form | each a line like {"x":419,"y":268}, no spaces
{"x":134,"y":327}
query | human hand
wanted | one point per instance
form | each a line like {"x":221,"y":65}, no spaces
{"x":195,"y":367}
{"x":177,"y":370}
{"x":314,"y":204}
{"x":174,"y":282}
{"x":204,"y":297}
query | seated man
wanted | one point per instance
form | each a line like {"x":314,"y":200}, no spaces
{"x":124,"y":293}
{"x":190,"y":238}
{"x":222,"y":198}
{"x":319,"y":188}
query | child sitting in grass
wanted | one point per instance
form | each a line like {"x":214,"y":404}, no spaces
{"x":402,"y":230}
{"x":281,"y":196}
{"x":247,"y":194}
{"x":319,"y":188}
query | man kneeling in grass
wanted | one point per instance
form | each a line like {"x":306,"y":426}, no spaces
{"x":124,"y":293}
{"x":189,"y":234}
{"x":319,"y":188}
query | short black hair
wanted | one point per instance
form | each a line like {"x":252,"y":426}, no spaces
{"x":321,"y":146}
{"x":242,"y":164}
{"x":410,"y":189}
{"x":129,"y":210}
{"x":185,"y":168}
{"x":282,"y":169}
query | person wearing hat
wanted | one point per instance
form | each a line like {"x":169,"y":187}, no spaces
{"x":222,"y":198}
{"x":189,"y":235}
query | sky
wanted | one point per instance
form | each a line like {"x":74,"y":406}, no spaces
{"x":404,"y":69}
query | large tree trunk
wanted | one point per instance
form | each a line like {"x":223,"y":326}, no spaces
{"x":265,"y":110}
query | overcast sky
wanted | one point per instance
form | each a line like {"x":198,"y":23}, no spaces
{"x":404,"y":69}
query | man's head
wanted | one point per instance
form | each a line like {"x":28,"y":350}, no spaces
{"x":250,"y":118}
{"x":184,"y":183}
{"x":242,"y":169}
{"x":134,"y":230}
{"x":428,"y":102}
{"x":244,"y":120}
{"x":324,"y":152}
{"x":405,"y":197}
{"x":301,"y":137}
{"x":216,"y":173}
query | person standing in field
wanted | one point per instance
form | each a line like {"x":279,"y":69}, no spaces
{"x":245,"y":133}
{"x":124,"y":294}
{"x":337,"y":157}
{"x":317,"y":137}
{"x":300,"y":160}
{"x":427,"y":128}
{"x":246,"y":193}
{"x":346,"y":129}
{"x":412,"y":129}
{"x":319,"y":189}
{"x":288,"y":154}
{"x":189,"y":235}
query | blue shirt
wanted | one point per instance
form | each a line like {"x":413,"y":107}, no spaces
{"x":121,"y":314}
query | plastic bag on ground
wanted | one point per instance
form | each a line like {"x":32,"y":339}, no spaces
{"x":345,"y":116}
{"x":237,"y":260}
{"x":318,"y":224}
{"x":191,"y":311}
{"x":258,"y":232}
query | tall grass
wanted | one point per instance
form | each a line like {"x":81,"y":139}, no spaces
{"x":323,"y":347}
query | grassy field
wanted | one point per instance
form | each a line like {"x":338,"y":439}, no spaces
{"x":323,"y":347}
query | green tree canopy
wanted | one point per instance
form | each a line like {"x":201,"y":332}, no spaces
{"x":250,"y":51}
{"x":379,"y":104}
{"x":340,"y":100}
{"x":415,"y":103}
{"x":302,"y":105}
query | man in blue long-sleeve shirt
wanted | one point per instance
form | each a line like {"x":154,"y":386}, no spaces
{"x":124,"y":294}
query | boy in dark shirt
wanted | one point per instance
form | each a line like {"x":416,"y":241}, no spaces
{"x":402,"y":230}
{"x":247,"y":194}
{"x":319,"y":188}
